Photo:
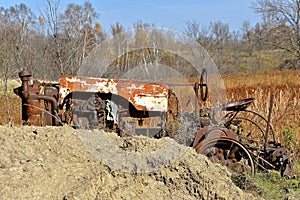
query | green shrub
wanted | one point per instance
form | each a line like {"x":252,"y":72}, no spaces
{"x":290,"y":140}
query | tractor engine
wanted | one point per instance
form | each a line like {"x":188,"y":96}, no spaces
{"x":121,"y":106}
{"x":39,"y":101}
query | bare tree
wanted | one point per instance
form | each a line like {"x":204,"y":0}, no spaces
{"x":220,"y":34}
{"x":15,"y":48}
{"x":197,"y":32}
{"x":79,"y":36}
{"x":72,"y":33}
{"x":117,"y":28}
{"x":283,"y":18}
{"x":50,"y":14}
{"x":99,"y":33}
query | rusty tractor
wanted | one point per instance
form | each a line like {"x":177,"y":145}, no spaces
{"x":245,"y":141}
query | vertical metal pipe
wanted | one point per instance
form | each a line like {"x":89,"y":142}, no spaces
{"x":269,"y":121}
{"x":25,"y":77}
{"x":196,"y":89}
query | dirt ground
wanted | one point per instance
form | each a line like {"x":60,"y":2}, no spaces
{"x":63,"y":163}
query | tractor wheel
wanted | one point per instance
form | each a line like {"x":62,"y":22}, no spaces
{"x":228,"y":152}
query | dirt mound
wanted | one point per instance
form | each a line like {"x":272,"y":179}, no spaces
{"x":56,"y":163}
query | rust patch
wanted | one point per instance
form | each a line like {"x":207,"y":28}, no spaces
{"x":143,"y":96}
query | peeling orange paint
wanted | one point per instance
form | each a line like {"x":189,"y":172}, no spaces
{"x":143,"y":95}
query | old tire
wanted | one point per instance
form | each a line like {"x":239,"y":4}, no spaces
{"x":228,"y":152}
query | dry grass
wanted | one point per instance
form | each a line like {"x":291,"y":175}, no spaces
{"x":285,"y":87}
{"x":263,"y":78}
{"x":14,"y":107}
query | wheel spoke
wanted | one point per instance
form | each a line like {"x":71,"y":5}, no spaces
{"x":233,"y":151}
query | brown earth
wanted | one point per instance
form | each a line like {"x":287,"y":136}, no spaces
{"x":55,"y":163}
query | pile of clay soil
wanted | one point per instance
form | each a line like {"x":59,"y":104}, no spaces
{"x":63,"y":163}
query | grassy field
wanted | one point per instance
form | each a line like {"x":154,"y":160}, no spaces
{"x":285,"y":87}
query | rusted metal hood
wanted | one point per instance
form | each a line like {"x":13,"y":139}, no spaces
{"x":142,"y":95}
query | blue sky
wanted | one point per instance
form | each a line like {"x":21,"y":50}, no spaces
{"x":163,"y":13}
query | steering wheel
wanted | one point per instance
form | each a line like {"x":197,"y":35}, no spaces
{"x":204,"y":85}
